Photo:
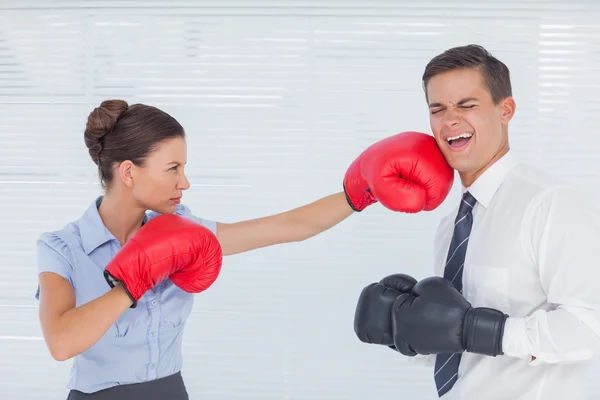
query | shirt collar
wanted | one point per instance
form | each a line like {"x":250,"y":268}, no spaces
{"x":92,"y":230}
{"x":486,"y":186}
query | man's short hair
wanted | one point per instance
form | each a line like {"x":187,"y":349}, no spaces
{"x":494,"y":72}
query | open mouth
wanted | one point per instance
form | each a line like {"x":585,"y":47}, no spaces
{"x":459,"y":141}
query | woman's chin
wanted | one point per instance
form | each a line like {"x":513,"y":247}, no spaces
{"x":168,"y":208}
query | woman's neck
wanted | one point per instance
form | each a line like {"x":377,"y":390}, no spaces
{"x":121,"y":215}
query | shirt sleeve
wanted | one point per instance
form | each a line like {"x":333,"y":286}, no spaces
{"x":52,"y":255}
{"x":184,"y":211}
{"x":564,"y":231}
{"x":425,"y":360}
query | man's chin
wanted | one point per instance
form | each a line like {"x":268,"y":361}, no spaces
{"x":461,"y":166}
{"x":457,"y":164}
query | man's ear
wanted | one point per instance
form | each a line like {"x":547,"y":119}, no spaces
{"x":508,"y":109}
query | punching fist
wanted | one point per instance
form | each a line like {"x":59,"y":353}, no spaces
{"x":167,"y":246}
{"x":373,"y":315}
{"x":436,"y":318}
{"x":406,"y":172}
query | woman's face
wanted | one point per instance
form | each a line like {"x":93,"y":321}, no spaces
{"x":159,"y":184}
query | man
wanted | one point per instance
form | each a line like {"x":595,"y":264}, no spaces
{"x":513,"y":311}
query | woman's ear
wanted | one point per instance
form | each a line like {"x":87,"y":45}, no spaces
{"x":127,"y":173}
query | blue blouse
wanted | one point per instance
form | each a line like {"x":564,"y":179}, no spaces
{"x":145,"y":342}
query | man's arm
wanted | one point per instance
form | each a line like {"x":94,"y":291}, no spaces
{"x":565,"y":235}
{"x":563,"y":229}
{"x":550,"y":337}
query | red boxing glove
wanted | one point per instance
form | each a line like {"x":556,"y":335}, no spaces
{"x":167,"y":246}
{"x":406,"y":172}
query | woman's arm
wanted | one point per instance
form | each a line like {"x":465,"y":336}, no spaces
{"x":291,"y":226}
{"x":69,"y":331}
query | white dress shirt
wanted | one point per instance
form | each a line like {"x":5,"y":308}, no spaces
{"x":533,"y":254}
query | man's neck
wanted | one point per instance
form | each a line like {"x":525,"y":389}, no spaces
{"x":468,"y":178}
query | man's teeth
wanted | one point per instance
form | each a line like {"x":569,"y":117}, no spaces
{"x":462,"y":135}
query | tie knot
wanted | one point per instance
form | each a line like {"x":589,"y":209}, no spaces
{"x":467,"y":203}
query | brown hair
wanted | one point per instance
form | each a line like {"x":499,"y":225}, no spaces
{"x":495,"y":73}
{"x":116,"y":132}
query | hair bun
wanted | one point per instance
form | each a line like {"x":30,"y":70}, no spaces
{"x":101,"y":122}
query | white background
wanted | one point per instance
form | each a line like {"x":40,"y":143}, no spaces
{"x":277,"y":98}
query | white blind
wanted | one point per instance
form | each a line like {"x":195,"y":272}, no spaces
{"x":277,"y":99}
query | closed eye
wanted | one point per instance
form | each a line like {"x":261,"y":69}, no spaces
{"x":463,"y":107}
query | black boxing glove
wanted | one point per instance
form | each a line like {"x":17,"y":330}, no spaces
{"x":373,"y":315}
{"x":436,"y":318}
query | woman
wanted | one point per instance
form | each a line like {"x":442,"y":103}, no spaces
{"x":130,"y":352}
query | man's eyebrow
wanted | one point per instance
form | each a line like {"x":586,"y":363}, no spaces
{"x":468,"y":99}
{"x":460,"y":103}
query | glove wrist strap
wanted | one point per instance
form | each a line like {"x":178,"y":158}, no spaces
{"x":112,"y":282}
{"x":359,"y":204}
{"x":483,"y":330}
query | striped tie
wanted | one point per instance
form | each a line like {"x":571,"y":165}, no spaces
{"x":446,"y":365}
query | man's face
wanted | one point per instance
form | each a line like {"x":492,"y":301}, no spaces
{"x":469,"y":128}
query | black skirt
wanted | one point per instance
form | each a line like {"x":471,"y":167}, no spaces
{"x":168,"y":388}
